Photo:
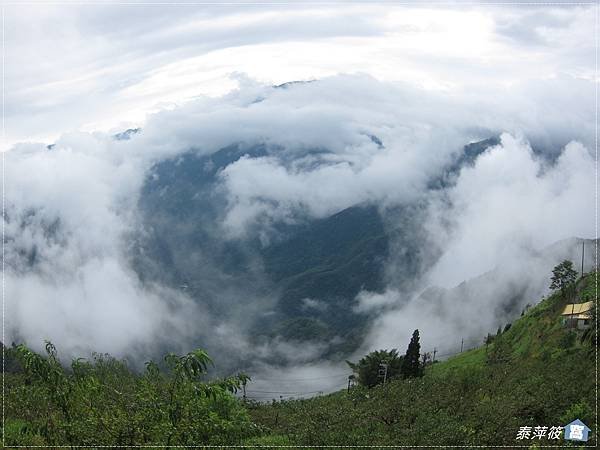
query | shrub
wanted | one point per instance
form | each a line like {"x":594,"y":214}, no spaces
{"x":103,"y":403}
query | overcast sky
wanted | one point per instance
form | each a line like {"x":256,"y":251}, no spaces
{"x":424,"y":80}
{"x":104,"y":67}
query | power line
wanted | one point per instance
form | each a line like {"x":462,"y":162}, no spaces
{"x":300,"y":379}
{"x":290,"y":394}
{"x":283,"y":392}
{"x":259,"y":395}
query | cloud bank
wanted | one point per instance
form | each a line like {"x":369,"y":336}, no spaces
{"x":492,"y":228}
{"x":337,"y":142}
{"x":93,"y":66}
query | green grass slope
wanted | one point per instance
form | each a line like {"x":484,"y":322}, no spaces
{"x":536,"y":373}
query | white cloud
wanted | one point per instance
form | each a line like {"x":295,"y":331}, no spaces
{"x":99,"y":67}
{"x":376,"y":302}
{"x":494,"y":228}
{"x":69,"y":278}
{"x":509,"y":200}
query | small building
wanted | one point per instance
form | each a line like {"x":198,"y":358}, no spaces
{"x":577,"y":315}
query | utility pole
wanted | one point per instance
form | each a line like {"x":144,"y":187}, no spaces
{"x":462,"y":341}
{"x":383,"y":369}
{"x":582,"y":256}
{"x":574,"y":322}
{"x":350,"y":380}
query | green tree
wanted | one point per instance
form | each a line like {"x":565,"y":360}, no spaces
{"x":591,"y":334}
{"x":411,"y":364}
{"x":102,"y":402}
{"x":563,"y":277}
{"x":58,"y":388}
{"x":499,"y":350}
{"x":370,"y":367}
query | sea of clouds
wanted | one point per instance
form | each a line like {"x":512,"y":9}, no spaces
{"x":71,"y":210}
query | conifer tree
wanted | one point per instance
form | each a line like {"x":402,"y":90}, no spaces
{"x":411,"y":365}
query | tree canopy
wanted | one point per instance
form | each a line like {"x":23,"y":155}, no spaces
{"x":369,"y":368}
{"x":563,"y":276}
{"x":102,"y":402}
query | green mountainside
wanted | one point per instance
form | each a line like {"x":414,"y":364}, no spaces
{"x":312,"y":268}
{"x":536,"y":373}
{"x":309,"y":269}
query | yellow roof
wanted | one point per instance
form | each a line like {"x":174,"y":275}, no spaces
{"x":577,"y":308}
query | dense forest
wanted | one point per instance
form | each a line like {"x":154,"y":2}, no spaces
{"x":535,"y":372}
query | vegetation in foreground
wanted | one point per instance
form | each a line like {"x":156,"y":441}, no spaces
{"x":104,"y":403}
{"x":536,"y":372}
